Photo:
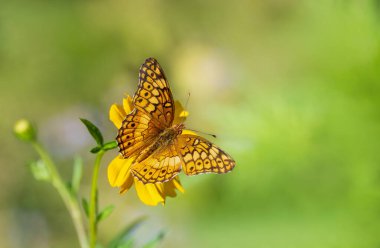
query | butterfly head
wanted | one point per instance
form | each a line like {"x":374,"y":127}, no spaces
{"x":178,"y":128}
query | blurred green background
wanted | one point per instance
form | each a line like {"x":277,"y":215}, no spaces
{"x":291,"y":88}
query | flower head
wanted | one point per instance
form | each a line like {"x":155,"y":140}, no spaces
{"x":119,"y":173}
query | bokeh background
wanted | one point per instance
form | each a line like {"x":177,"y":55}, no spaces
{"x":290,"y":87}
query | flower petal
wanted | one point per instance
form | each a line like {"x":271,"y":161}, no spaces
{"x":127,"y":104}
{"x":127,"y":183}
{"x":177,"y":184}
{"x":171,"y":186}
{"x":118,"y":171}
{"x":180,"y":114}
{"x":169,"y":189}
{"x":117,"y":115}
{"x":185,"y":131}
{"x":148,"y":193}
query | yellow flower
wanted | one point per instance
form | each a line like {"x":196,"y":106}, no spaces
{"x":119,"y":173}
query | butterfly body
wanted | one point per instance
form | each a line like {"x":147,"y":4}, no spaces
{"x":166,"y":138}
{"x":159,"y":147}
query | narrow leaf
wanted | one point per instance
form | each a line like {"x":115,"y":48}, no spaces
{"x":95,"y":149}
{"x":85,"y":207}
{"x":109,"y":145}
{"x":77,"y":174}
{"x":154,"y":242}
{"x":105,"y":213}
{"x":40,"y":171}
{"x":94,"y":131}
{"x":127,"y":244}
{"x":125,"y":236}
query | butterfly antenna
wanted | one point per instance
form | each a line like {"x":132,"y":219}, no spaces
{"x":187,"y":100}
{"x":213,"y":135}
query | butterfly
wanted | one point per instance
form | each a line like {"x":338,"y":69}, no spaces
{"x":159,"y":148}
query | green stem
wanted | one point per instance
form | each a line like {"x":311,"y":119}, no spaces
{"x":93,"y":200}
{"x":71,"y":203}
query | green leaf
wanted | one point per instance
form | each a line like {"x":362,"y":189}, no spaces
{"x":109,"y":145}
{"x":125,"y":236}
{"x":127,"y":244}
{"x":154,"y":242}
{"x":95,"y":149}
{"x":40,"y":170}
{"x":77,"y":175}
{"x":94,"y":131}
{"x":85,"y":207}
{"x":105,"y":213}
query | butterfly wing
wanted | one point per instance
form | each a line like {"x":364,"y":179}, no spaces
{"x":154,"y":110}
{"x":153,"y":95}
{"x":199,"y":155}
{"x":161,"y":166}
{"x":136,"y":133}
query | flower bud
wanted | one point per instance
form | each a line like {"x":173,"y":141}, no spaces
{"x":24,"y":130}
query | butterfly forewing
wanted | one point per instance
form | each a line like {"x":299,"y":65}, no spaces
{"x":136,"y":132}
{"x":201,"y":156}
{"x":153,"y":95}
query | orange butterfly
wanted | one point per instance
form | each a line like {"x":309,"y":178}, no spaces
{"x":159,"y":148}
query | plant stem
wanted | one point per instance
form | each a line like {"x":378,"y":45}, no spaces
{"x":93,"y":200}
{"x":71,"y":202}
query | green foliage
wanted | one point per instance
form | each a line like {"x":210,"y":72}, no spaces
{"x":85,"y":206}
{"x":97,"y":135}
{"x":77,"y":175}
{"x":109,"y":145}
{"x":156,"y":241}
{"x":124,"y":238}
{"x":94,"y":131}
{"x":40,"y":171}
{"x":105,"y":213}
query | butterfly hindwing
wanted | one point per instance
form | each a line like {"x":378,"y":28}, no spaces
{"x":201,"y":156}
{"x":153,"y":95}
{"x":161,"y":166}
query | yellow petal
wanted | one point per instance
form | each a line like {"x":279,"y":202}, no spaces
{"x":117,"y":115}
{"x":177,"y":184}
{"x":127,"y":104}
{"x":185,"y":131}
{"x":127,"y":183}
{"x":169,"y":189}
{"x":118,"y":171}
{"x":171,"y":186}
{"x":180,"y":114}
{"x":148,"y":193}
